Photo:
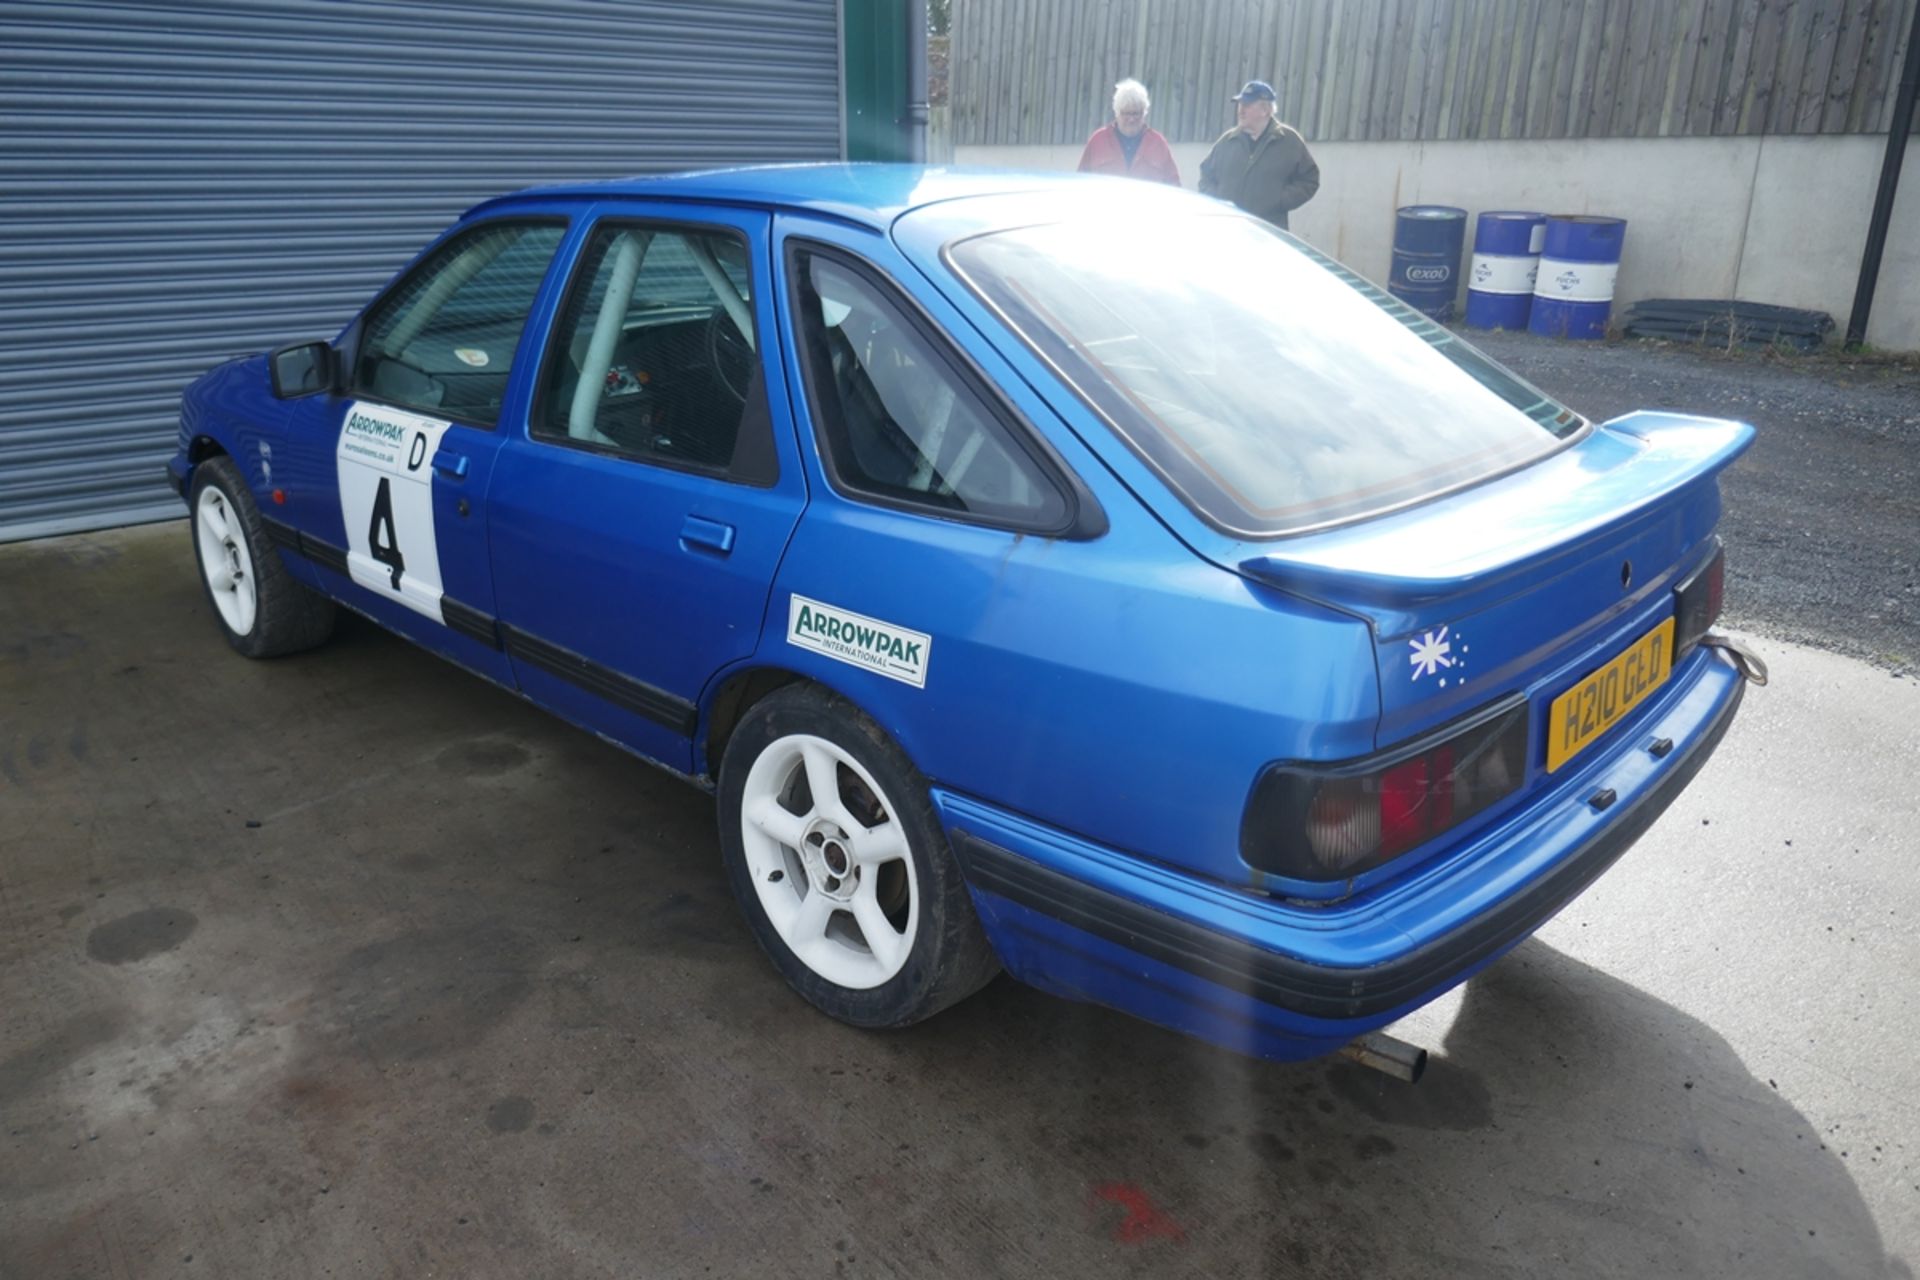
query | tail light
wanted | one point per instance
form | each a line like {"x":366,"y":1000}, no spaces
{"x":1332,"y":822}
{"x":1697,"y":600}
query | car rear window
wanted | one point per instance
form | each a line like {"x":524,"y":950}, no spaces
{"x":1274,"y":390}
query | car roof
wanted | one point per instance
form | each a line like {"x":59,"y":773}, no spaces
{"x":870,"y":194}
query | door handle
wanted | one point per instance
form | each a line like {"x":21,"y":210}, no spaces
{"x":709,"y":534}
{"x":450,"y":464}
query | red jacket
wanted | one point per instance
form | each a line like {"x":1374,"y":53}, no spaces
{"x":1153,"y":160}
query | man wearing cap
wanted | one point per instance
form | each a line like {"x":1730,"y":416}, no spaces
{"x":1260,"y":164}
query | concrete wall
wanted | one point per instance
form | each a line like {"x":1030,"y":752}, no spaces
{"x":1771,"y":219}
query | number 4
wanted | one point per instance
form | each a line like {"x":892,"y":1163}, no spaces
{"x":385,"y":549}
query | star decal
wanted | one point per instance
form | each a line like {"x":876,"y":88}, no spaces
{"x":1430,"y":653}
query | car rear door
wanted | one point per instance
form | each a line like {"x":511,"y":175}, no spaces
{"x":637,"y":519}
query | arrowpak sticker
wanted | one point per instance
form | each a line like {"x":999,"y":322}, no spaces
{"x":384,"y":462}
{"x":860,"y":641}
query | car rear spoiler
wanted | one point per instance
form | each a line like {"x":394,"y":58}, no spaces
{"x":1463,"y":548}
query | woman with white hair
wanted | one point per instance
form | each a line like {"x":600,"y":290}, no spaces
{"x":1126,"y":146}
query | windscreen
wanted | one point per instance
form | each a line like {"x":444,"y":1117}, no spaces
{"x":1274,"y":390}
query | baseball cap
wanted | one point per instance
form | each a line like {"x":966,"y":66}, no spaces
{"x":1253,"y":90}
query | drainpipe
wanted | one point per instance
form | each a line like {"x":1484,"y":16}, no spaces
{"x":1897,"y":137}
{"x":917,"y":81}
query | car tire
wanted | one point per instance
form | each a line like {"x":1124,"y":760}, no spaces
{"x":858,"y":901}
{"x":262,"y":610}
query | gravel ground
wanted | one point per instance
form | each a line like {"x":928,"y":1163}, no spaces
{"x":1822,"y":518}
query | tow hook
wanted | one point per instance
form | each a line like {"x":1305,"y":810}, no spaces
{"x":1382,"y":1052}
{"x":1744,"y":658}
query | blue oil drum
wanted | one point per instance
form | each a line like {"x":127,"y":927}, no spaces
{"x":1573,"y":294}
{"x":1506,"y":258}
{"x":1427,"y":240}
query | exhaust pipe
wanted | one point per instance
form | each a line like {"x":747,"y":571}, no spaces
{"x":1404,"y":1062}
{"x":1754,"y":670}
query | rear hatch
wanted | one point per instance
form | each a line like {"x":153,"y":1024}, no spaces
{"x":1294,"y":424}
{"x":1526,"y":583}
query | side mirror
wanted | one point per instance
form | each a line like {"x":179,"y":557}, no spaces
{"x":304,"y":369}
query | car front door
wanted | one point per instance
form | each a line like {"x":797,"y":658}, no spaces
{"x":384,"y":481}
{"x":637,"y":522}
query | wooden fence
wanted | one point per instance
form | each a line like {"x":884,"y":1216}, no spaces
{"x":1042,"y":71}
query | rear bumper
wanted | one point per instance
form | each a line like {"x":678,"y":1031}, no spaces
{"x":1286,"y":980}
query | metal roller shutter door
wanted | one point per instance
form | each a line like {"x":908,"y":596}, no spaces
{"x":188,"y":181}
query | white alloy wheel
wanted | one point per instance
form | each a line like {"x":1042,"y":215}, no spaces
{"x":830,"y":861}
{"x":264,"y":610}
{"x":225,"y":560}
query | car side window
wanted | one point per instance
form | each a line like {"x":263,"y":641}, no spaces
{"x":654,"y":356}
{"x":897,"y":420}
{"x":442,"y":340}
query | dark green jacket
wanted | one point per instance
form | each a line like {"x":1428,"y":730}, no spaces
{"x":1269,"y":176}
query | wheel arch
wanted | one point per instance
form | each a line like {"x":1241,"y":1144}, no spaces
{"x":740,"y":691}
{"x":730,"y":700}
{"x":199,"y":449}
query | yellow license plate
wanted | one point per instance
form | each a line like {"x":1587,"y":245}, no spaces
{"x":1596,"y":704}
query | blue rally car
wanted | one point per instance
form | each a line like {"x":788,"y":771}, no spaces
{"x":1056,"y":574}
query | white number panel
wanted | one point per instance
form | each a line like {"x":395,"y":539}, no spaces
{"x":386,"y":498}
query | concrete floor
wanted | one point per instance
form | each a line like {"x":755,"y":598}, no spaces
{"x":352,"y":965}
